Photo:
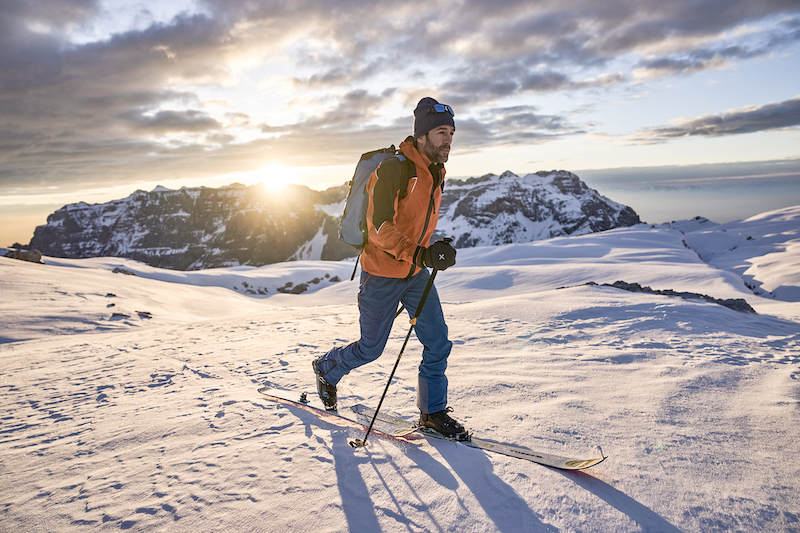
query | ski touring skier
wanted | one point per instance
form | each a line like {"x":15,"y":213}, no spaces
{"x":404,"y":195}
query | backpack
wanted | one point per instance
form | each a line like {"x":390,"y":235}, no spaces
{"x":353,"y":223}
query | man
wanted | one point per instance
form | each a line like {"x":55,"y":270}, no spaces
{"x":404,"y":196}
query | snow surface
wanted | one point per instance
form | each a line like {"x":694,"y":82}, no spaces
{"x":312,"y":250}
{"x":150,"y":419}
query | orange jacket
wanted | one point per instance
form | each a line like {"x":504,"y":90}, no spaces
{"x":402,"y":213}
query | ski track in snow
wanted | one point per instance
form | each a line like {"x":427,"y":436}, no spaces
{"x":156,"y":424}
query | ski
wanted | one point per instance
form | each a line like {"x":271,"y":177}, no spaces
{"x":394,"y":426}
{"x":510,"y":450}
{"x":314,"y":404}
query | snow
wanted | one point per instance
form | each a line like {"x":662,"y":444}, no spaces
{"x":762,"y":249}
{"x":333,"y":210}
{"x":150,"y":420}
{"x":312,"y":250}
{"x":492,"y":210}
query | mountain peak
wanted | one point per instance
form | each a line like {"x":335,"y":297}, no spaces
{"x":199,"y":228}
{"x":496,"y":210}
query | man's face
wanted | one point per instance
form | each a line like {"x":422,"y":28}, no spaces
{"x":436,"y":143}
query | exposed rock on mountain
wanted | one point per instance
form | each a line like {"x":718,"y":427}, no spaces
{"x":34,"y":256}
{"x":737,"y":304}
{"x":493,"y":210}
{"x":194,"y":228}
{"x":198,"y":228}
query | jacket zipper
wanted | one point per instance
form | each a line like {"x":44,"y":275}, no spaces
{"x":431,"y":204}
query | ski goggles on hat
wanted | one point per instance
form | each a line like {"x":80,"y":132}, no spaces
{"x":441,"y":108}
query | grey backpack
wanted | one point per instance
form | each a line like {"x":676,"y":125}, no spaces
{"x":353,"y":223}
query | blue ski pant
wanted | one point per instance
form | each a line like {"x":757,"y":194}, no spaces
{"x":378,"y":299}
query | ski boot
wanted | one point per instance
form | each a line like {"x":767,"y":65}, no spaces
{"x":327,"y":392}
{"x":441,"y":422}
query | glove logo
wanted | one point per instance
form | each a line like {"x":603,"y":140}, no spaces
{"x":440,"y":255}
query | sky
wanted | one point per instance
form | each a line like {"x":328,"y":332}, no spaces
{"x":678,"y":109}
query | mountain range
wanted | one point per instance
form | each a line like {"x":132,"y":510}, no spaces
{"x":200,"y":228}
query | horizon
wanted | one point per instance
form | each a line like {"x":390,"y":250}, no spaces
{"x":668,"y":108}
{"x":727,"y":192}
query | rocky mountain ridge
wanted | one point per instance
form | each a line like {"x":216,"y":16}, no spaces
{"x":199,"y":228}
{"x":494,"y":210}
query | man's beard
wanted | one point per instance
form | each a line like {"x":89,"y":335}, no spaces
{"x":436,"y":154}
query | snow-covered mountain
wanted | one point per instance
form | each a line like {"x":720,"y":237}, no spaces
{"x":194,"y":228}
{"x":505,"y":209}
{"x":199,"y":228}
{"x":130,"y":401}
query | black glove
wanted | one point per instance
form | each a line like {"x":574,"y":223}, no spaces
{"x":440,"y":255}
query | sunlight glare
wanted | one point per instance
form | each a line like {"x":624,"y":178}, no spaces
{"x":275,"y":176}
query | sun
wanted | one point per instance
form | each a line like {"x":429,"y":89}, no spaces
{"x":274,"y":176}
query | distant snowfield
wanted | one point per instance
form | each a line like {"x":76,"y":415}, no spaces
{"x":130,"y":401}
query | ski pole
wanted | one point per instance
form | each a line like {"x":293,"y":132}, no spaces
{"x":358,"y":443}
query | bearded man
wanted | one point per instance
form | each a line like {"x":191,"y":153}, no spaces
{"x":404,"y":197}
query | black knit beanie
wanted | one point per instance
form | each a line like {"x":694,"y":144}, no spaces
{"x":425,"y":118}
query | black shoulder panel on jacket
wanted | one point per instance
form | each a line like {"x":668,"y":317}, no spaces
{"x":393,"y":178}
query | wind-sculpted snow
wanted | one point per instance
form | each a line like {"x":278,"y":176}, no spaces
{"x":764,"y":250}
{"x":154,"y":423}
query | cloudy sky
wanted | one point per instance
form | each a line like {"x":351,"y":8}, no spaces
{"x":677,"y":107}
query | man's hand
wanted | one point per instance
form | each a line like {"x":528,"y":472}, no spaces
{"x":440,"y":255}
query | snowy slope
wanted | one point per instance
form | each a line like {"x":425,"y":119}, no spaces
{"x":763,"y":249}
{"x":68,"y":296}
{"x":154,"y":424}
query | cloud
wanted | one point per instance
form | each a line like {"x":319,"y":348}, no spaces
{"x":723,"y":55}
{"x":671,"y":66}
{"x":750,"y":119}
{"x":780,"y":171}
{"x":171,"y":121}
{"x":344,"y":132}
{"x":515,"y":125}
{"x":136,"y":103}
{"x":485,"y":83}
